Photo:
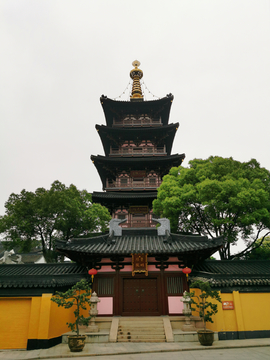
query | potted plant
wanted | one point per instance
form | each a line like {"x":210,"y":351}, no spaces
{"x":79,"y":297}
{"x":205,"y":308}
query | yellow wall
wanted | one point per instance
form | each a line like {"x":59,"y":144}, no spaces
{"x":26,"y":318}
{"x":14,"y":322}
{"x":251,"y":313}
{"x":258,"y":308}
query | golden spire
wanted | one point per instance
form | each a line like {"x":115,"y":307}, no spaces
{"x":136,"y":74}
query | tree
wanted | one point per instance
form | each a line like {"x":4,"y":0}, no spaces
{"x":260,"y":250}
{"x":217,"y":197}
{"x":202,"y":302}
{"x":46,"y":215}
{"x":79,"y":297}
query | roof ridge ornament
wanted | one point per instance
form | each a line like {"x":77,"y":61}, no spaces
{"x":165,"y":228}
{"x":115,"y":229}
{"x":136,"y":74}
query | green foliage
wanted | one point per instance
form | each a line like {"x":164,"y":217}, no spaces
{"x":260,"y":250}
{"x":79,"y":297}
{"x":217,"y":197}
{"x":46,"y":215}
{"x":202,"y":302}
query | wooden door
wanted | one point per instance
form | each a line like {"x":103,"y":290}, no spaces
{"x":140,"y":297}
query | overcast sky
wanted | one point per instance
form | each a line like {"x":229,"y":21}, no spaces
{"x":58,"y":57}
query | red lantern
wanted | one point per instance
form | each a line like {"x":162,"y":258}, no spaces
{"x":92,"y":272}
{"x":186,"y":271}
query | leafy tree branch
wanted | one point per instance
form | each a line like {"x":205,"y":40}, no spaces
{"x":217,"y":197}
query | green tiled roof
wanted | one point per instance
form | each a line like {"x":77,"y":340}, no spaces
{"x":235,"y":275}
{"x":111,"y":136}
{"x":40,"y":275}
{"x":160,"y":108}
{"x":109,"y":167}
{"x":136,"y":241}
{"x":124,"y":195}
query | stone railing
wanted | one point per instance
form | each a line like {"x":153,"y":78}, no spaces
{"x":138,"y":223}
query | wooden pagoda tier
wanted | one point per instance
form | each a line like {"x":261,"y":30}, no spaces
{"x":186,"y":250}
{"x":116,"y":112}
{"x":159,"y":136}
{"x":111,"y":167}
{"x":120,"y":199}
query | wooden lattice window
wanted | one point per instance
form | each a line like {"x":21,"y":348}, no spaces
{"x":174,"y":285}
{"x":105,"y":286}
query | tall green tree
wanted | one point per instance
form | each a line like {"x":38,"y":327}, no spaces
{"x":217,"y":197}
{"x":46,"y":215}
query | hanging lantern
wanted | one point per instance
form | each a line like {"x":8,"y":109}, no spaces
{"x":186,"y":271}
{"x":92,"y":272}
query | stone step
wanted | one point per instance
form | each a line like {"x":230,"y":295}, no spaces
{"x":140,"y":324}
{"x":140,"y":336}
{"x":141,"y":331}
{"x":141,"y":320}
{"x":146,"y":327}
{"x":141,"y":340}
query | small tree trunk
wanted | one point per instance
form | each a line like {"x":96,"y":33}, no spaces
{"x":77,"y":321}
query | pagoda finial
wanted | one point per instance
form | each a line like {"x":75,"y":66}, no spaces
{"x":136,"y":74}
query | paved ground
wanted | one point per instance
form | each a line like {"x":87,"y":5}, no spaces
{"x":254,"y":349}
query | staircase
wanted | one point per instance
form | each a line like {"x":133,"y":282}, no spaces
{"x":141,"y":329}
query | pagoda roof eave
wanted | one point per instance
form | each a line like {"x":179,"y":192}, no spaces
{"x":112,"y":136}
{"x":134,"y":241}
{"x":113,"y":199}
{"x":113,"y":108}
{"x":111,"y":166}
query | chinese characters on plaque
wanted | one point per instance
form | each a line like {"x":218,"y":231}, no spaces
{"x":139,"y":264}
{"x":227,"y":305}
{"x":138,"y":210}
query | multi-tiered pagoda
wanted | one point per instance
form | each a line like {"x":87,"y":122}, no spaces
{"x":137,"y":142}
{"x":139,"y":266}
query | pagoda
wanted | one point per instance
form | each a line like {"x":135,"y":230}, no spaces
{"x":139,"y":265}
{"x":137,"y":141}
{"x":140,"y":268}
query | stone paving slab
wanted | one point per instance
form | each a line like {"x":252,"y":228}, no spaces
{"x":93,"y":350}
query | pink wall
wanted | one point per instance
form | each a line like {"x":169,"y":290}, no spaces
{"x":106,"y":260}
{"x":127,"y":268}
{"x":106,"y":268}
{"x":105,"y":306}
{"x":175,"y":305}
{"x":173,"y":268}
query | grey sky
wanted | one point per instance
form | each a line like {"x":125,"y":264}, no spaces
{"x":58,"y":57}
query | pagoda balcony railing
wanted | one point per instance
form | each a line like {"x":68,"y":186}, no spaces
{"x":138,"y":223}
{"x":138,"y":151}
{"x":133,"y":185}
{"x":141,"y":121}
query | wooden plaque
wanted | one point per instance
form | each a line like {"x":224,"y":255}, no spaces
{"x":227,"y":305}
{"x":138,"y":173}
{"x":138,"y":210}
{"x":139,"y":264}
